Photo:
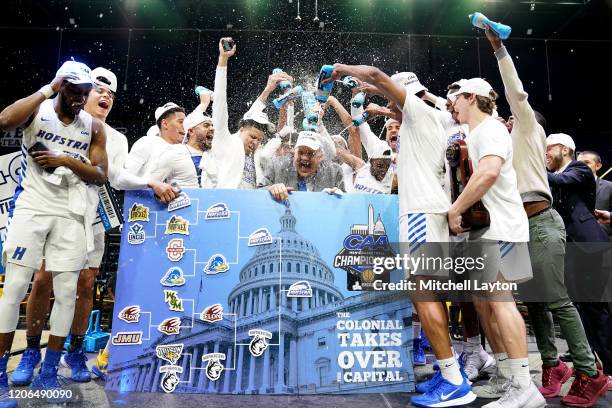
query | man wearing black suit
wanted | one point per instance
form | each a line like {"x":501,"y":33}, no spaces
{"x":603,"y":194}
{"x":573,"y":187}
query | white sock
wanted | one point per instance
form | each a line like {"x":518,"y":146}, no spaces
{"x":472,"y":345}
{"x":503,"y":365}
{"x":519,"y":367}
{"x":416,"y":330}
{"x":450,"y":370}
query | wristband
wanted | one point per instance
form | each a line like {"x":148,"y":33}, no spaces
{"x":47,"y":91}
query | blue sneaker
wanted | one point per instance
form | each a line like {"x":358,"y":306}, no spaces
{"x":445,"y":394}
{"x":47,"y":379}
{"x":418,"y":355}
{"x":5,"y":400}
{"x":76,"y":361}
{"x":430,"y":384}
{"x":24,"y":372}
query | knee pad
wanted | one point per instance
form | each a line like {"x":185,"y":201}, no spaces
{"x":64,"y":286}
{"x":16,"y":282}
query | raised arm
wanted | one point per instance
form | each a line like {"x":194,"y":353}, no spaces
{"x":219,"y":109}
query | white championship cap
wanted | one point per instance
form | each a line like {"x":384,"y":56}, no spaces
{"x":409,"y":81}
{"x":75,"y":72}
{"x":103,"y":77}
{"x":308,"y":139}
{"x":194,"y":119}
{"x":153,"y":131}
{"x":261,"y":118}
{"x":561,"y":139}
{"x":381,"y":151}
{"x":458,"y":83}
{"x":165,"y":108}
{"x":476,"y":86}
{"x":391,"y":120}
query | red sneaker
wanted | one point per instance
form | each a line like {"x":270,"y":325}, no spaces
{"x":553,"y":378}
{"x":585,"y":390}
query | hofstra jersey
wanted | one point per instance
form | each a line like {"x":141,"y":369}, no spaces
{"x":366,"y":183}
{"x":33,"y":193}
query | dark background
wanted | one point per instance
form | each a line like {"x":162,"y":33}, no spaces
{"x":160,"y":50}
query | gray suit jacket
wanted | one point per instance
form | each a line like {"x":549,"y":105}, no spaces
{"x":283,"y":171}
{"x":603,"y":200}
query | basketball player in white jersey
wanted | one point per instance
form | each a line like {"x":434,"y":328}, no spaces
{"x":373,"y":177}
{"x":63,"y":148}
{"x":423,"y":207}
{"x":99,"y":103}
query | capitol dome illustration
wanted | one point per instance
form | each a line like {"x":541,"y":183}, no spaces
{"x":302,"y":354}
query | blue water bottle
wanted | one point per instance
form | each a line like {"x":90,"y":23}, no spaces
{"x":296,"y":92}
{"x":311,"y":121}
{"x":481,"y":21}
{"x":358,"y":100}
{"x":361,"y":119}
{"x":308,"y":101}
{"x":200,"y":89}
{"x":283,"y":85}
{"x":324,"y":89}
{"x":349,"y":82}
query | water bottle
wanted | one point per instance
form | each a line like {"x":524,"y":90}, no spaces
{"x":200,"y":89}
{"x":358,"y":100}
{"x":349,"y":82}
{"x":324,"y":89}
{"x":296,"y":92}
{"x":283,"y":85}
{"x":361,"y":119}
{"x":481,"y":21}
{"x":311,"y":121}
{"x":227,"y":44}
{"x":308,"y":101}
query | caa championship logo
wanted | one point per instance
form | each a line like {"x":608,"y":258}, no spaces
{"x":130,"y":314}
{"x":217,"y":211}
{"x":170,"y":326}
{"x":177,"y":225}
{"x":214,"y":368}
{"x":136,"y":234}
{"x":300,"y":289}
{"x":365,"y":243}
{"x":216,"y":264}
{"x":174,"y":277}
{"x":127,"y":338}
{"x":212,"y":313}
{"x":260,"y":237}
{"x":138,"y":212}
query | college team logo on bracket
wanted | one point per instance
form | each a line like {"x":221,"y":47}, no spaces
{"x":170,"y":326}
{"x":138,"y":212}
{"x":174,"y":277}
{"x":214,"y":368}
{"x":174,"y":302}
{"x":181,"y":201}
{"x":217,"y":211}
{"x":169,"y":352}
{"x":175,"y":249}
{"x":260,"y":237}
{"x":258,"y":343}
{"x":300,"y":289}
{"x":127,"y":338}
{"x":177,"y":225}
{"x":136,"y":234}
{"x":212,"y":313}
{"x":216,"y":264}
{"x":130,"y":314}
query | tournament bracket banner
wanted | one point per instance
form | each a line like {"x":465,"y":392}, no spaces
{"x":10,"y":168}
{"x":231,"y":292}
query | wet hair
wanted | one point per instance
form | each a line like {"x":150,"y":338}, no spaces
{"x":167,"y":114}
{"x":594,"y":154}
{"x":251,"y":123}
{"x":486,"y":105}
{"x":540,"y":119}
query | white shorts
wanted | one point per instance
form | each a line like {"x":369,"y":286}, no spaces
{"x":424,"y":236}
{"x":32,"y":237}
{"x":94,"y":258}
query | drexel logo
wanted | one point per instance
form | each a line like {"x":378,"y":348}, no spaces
{"x":19,"y":253}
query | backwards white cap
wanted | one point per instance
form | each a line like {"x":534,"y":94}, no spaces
{"x":381,"y":151}
{"x":261,"y":118}
{"x":477,"y":86}
{"x":75,"y":72}
{"x":165,"y":108}
{"x":561,"y":139}
{"x":409,"y":81}
{"x":103,"y":77}
{"x":194,"y":119}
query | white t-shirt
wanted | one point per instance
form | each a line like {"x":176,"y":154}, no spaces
{"x":176,"y":165}
{"x":117,"y":153}
{"x":366,"y":183}
{"x":508,"y":219}
{"x":420,"y":167}
{"x":348,"y":176}
{"x":144,"y":155}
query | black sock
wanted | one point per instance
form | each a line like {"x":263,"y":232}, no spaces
{"x":33,"y":342}
{"x":76,"y":342}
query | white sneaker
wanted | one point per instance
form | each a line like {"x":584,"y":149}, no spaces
{"x":515,"y":397}
{"x":494,"y":388}
{"x":475,"y":362}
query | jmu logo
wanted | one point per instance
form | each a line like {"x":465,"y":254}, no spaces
{"x":138,"y":212}
{"x":170,"y":326}
{"x":130,"y":314}
{"x":127,"y":338}
{"x":177,"y":225}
